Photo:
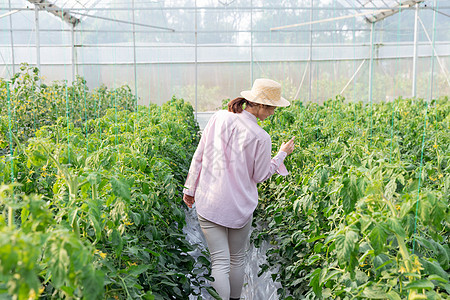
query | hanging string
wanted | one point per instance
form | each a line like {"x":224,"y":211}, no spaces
{"x":334,"y":83}
{"x":115,"y":117}
{"x":425,"y":123}
{"x":85,"y":106}
{"x":136,"y":120}
{"x":149,"y":87}
{"x":68,"y":122}
{"x":11,"y":153}
{"x":97,"y":105}
{"x":115,"y":99}
{"x":371,"y":82}
{"x":395,"y":84}
{"x":318,"y":104}
{"x":34,"y":111}
{"x":355,"y":78}
{"x":85,"y":116}
{"x":66,"y":95}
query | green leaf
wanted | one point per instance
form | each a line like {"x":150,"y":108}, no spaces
{"x":380,"y":262}
{"x":377,"y":238}
{"x":315,"y":282}
{"x":349,"y":195}
{"x":345,"y":244}
{"x":374,"y":292}
{"x":313,"y":239}
{"x":95,"y":218}
{"x":420,"y":284}
{"x":213,"y":293}
{"x":92,"y":283}
{"x":297,"y":206}
{"x":437,"y":278}
{"x":392,"y":295}
{"x":433,"y":267}
{"x":390,"y":188}
{"x":168,"y":283}
{"x":203,"y":260}
{"x":59,"y":263}
{"x":116,"y":241}
{"x":395,"y":226}
{"x":137,"y":270}
{"x":120,"y":188}
{"x":149,"y":296}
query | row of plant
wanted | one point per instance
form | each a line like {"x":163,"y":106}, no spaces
{"x":364,"y":212}
{"x":94,"y":209}
{"x":34,"y":104}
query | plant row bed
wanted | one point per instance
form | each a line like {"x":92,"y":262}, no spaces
{"x":365,"y":210}
{"x":92,"y":209}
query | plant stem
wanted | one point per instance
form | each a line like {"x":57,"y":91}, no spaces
{"x":125,"y":287}
{"x":10,"y":217}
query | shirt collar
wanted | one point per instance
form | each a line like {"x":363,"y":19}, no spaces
{"x":250,"y":116}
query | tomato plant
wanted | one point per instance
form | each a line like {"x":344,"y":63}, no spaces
{"x":344,"y":224}
{"x":112,"y":183}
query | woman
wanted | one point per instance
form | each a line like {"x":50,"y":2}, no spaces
{"x":232,"y":157}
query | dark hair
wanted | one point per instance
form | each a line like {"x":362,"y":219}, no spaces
{"x":237,"y":105}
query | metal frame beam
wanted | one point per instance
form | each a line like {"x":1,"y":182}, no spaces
{"x":384,"y":14}
{"x":55,"y":10}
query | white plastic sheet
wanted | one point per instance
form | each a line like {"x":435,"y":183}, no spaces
{"x":255,"y":288}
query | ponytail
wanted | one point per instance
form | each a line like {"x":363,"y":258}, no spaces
{"x":237,"y":105}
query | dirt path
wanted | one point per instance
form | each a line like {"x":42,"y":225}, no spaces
{"x":255,"y":288}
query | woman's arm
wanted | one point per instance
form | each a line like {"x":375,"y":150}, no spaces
{"x":195,"y":169}
{"x":264,"y":166}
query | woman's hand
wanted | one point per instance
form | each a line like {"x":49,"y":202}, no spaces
{"x":189,"y":200}
{"x":288,"y":147}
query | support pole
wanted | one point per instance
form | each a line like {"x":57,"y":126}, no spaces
{"x":196,"y":67}
{"x":12,"y":41}
{"x":74,"y":55}
{"x":414,"y":80}
{"x":134,"y":54}
{"x":432,"y":52}
{"x":371,"y":62}
{"x":38,"y":41}
{"x":310,"y":49}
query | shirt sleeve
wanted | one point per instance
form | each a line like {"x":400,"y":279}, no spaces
{"x":195,"y":169}
{"x":191,"y":183}
{"x":264,"y":166}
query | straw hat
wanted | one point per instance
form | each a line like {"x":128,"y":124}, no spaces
{"x":266,"y":91}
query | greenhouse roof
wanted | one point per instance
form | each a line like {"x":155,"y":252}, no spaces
{"x":73,"y":11}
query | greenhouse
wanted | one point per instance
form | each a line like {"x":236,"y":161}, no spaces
{"x":122,"y":149}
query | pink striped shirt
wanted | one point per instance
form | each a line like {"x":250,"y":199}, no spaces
{"x":232,"y":157}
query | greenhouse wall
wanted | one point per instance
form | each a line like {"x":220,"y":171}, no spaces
{"x":220,"y":48}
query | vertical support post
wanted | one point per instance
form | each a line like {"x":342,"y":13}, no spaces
{"x":134,"y":54}
{"x":38,"y":40}
{"x":12,"y":41}
{"x":310,"y":49}
{"x":74,"y":54}
{"x":196,"y":67}
{"x":432,"y":51}
{"x":371,"y":61}
{"x":251,"y":42}
{"x":414,"y":80}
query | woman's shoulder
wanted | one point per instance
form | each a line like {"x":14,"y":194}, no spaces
{"x":225,"y":116}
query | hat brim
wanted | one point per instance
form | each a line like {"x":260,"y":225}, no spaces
{"x":279,"y":103}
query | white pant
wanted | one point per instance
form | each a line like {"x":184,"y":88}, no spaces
{"x":227,"y":249}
